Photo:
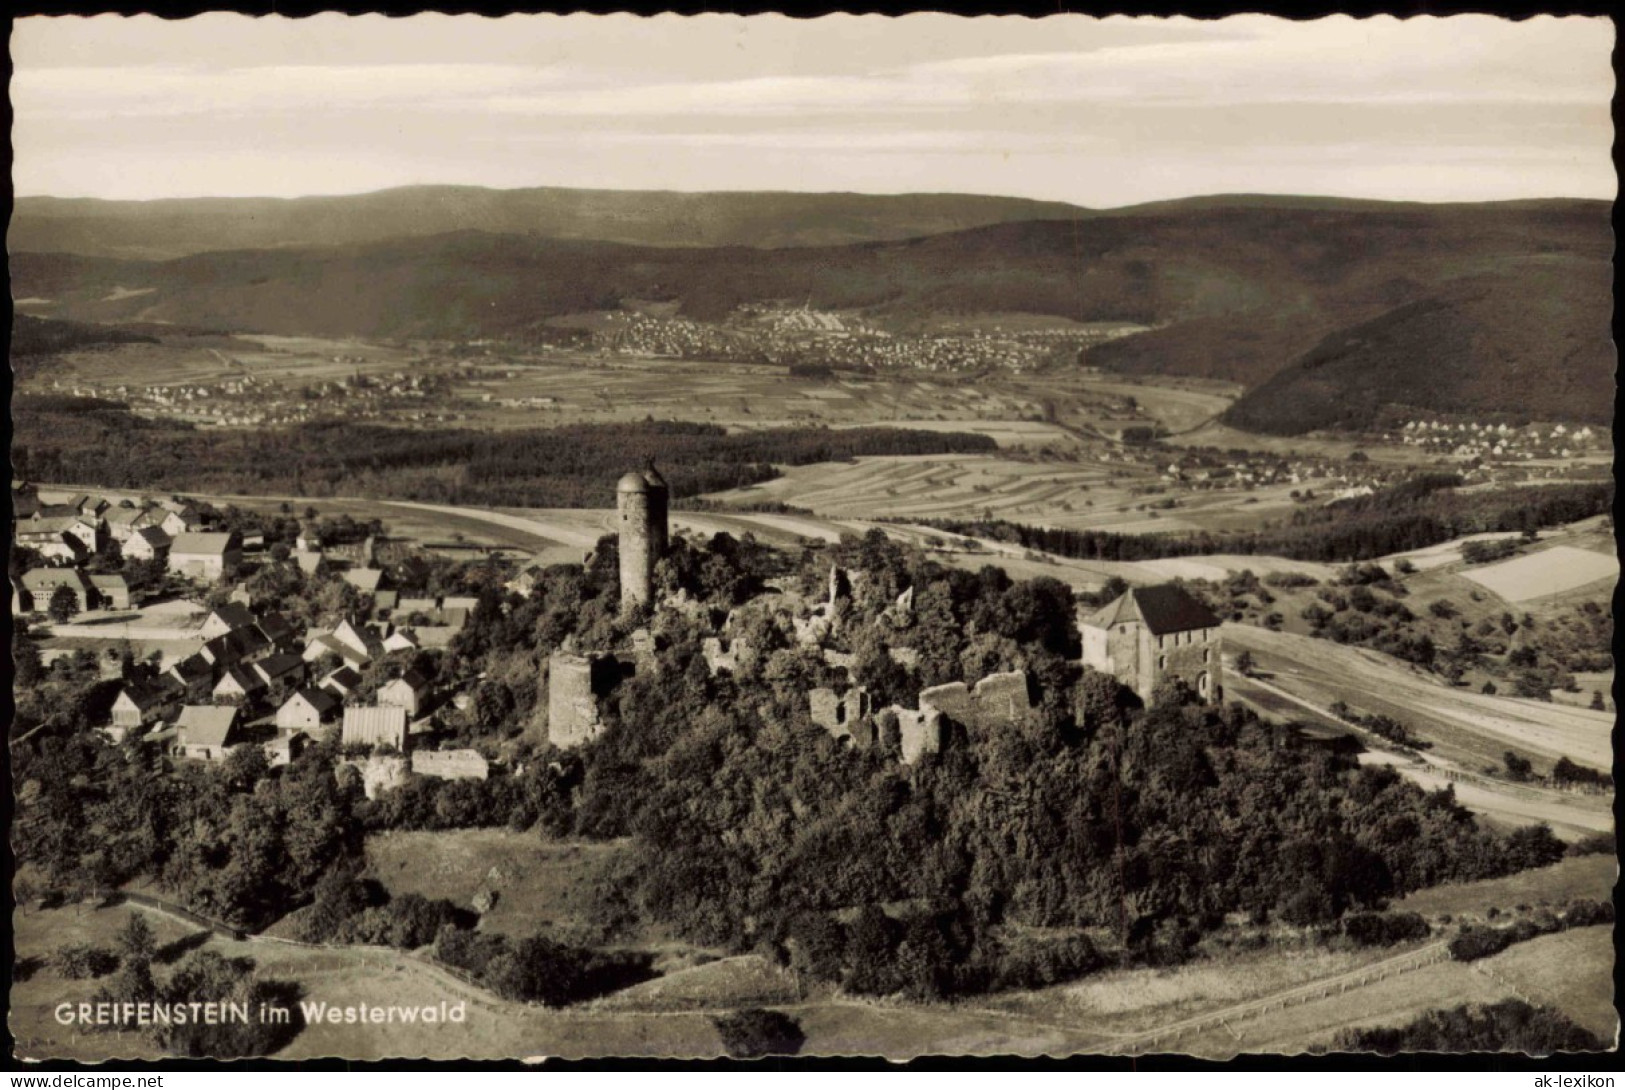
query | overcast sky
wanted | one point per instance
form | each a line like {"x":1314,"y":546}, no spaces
{"x":1097,"y":112}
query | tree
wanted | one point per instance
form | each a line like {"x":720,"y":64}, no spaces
{"x":1245,"y":664}
{"x":136,"y":941}
{"x":1518,"y":768}
{"x":1596,"y":701}
{"x":64,"y":605}
{"x":754,"y":1033}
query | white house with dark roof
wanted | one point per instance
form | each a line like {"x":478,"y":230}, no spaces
{"x":408,"y":691}
{"x":1152,"y":633}
{"x":225,"y":619}
{"x":238,"y":683}
{"x":146,"y":543}
{"x":136,"y":705}
{"x":307,"y":709}
{"x":280,"y":669}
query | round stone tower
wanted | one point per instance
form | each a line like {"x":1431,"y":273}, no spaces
{"x":641,"y":500}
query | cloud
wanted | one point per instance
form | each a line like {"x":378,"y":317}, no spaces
{"x":827,"y":103}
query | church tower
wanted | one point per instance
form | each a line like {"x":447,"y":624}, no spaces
{"x":641,"y":501}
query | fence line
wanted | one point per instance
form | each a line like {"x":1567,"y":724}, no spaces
{"x":1307,"y":993}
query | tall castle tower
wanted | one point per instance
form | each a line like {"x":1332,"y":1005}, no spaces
{"x":641,"y":500}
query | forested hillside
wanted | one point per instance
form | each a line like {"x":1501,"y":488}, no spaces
{"x":90,"y":440}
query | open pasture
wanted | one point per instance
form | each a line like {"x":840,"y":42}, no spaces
{"x":213,"y":359}
{"x":1587,"y":876}
{"x":1541,"y":574}
{"x":1469,"y":728}
{"x":539,"y":884}
{"x":1571,"y":970}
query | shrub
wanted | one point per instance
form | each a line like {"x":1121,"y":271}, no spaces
{"x":82,"y":961}
{"x":1384,"y":928}
{"x":1585,"y":913}
{"x":1595,"y":844}
{"x":753,"y":1033}
{"x":1508,"y":1026}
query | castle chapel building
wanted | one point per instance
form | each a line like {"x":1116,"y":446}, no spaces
{"x":1152,"y":633}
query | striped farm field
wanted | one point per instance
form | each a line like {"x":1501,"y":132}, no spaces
{"x":1077,"y":496}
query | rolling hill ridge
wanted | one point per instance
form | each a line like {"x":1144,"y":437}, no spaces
{"x":179,"y":227}
{"x":1324,"y":312}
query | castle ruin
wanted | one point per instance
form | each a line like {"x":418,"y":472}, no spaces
{"x":576,"y":687}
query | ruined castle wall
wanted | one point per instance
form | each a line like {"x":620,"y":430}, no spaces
{"x":953,"y":700}
{"x":920,"y":732}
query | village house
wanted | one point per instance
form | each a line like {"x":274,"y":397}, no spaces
{"x":122,"y":522}
{"x":408,"y":691}
{"x":278,"y":631}
{"x":184,"y":521}
{"x":375,"y":726}
{"x":237,"y":683}
{"x":90,"y":507}
{"x":365,"y":580}
{"x":40,"y":584}
{"x":342,"y":682}
{"x":526,"y":581}
{"x":205,"y":556}
{"x":359,"y":644}
{"x":280,"y":669}
{"x":284,"y":749}
{"x":24,"y":499}
{"x":112,"y":592}
{"x":136,"y":706}
{"x":147,"y":543}
{"x":207,"y":732}
{"x":400,"y":640}
{"x":53,"y":539}
{"x":455,"y":612}
{"x":433,"y":637}
{"x":190,"y":672}
{"x":417,"y":610}
{"x":225,"y":619}
{"x":307,"y":709}
{"x":235,"y":646}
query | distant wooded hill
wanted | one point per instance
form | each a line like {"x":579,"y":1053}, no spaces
{"x":1326,"y":310}
{"x":175,"y":228}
